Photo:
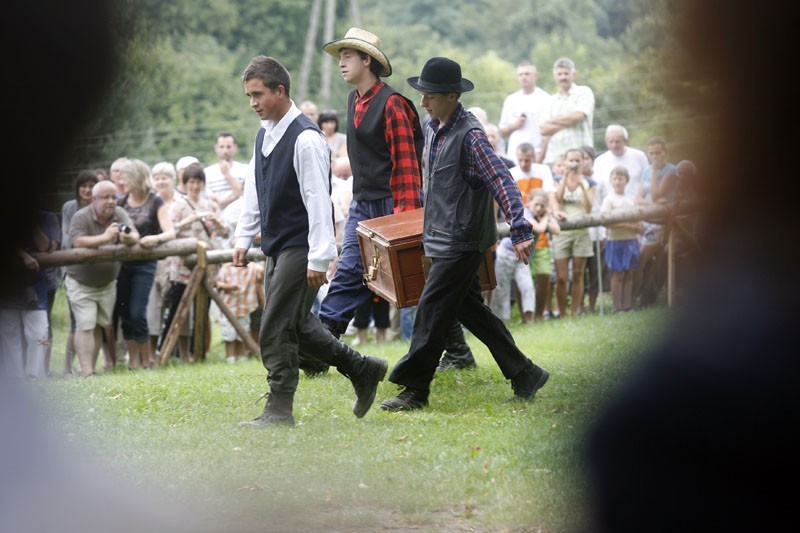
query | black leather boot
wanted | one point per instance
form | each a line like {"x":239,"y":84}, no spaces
{"x":277,"y":411}
{"x":528,"y":381}
{"x":364,"y":373}
{"x":457,"y":353}
{"x":408,"y":400}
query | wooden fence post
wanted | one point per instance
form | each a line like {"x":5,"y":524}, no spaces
{"x":196,"y":279}
{"x":243,"y":333}
{"x":201,"y":324}
{"x":671,"y":266}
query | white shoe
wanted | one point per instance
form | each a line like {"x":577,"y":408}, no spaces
{"x":231,"y":359}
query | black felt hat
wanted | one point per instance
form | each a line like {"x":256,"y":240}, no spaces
{"x":441,"y":75}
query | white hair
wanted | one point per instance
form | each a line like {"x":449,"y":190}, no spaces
{"x":617,"y":128}
{"x":165,"y":167}
{"x":100,"y":184}
{"x":564,"y":62}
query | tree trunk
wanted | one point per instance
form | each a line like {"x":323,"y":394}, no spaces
{"x":308,"y":51}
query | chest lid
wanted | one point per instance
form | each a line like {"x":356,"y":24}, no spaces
{"x":394,"y":229}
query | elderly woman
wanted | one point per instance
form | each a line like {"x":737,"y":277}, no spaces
{"x":164,"y":176}
{"x":150,"y":215}
{"x":193,"y":215}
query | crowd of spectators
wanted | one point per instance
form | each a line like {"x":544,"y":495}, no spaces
{"x":545,"y":139}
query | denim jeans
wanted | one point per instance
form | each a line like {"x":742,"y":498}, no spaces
{"x":407,"y":322}
{"x":134,"y":282}
{"x":347,"y":290}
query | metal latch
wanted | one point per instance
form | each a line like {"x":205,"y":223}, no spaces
{"x":372,"y":272}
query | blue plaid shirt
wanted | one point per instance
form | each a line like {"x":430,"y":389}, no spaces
{"x":481,"y":166}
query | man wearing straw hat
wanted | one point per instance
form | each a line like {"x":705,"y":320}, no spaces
{"x":384,"y":144}
{"x":464,"y":176}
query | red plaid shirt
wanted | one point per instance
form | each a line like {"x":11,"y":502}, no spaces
{"x":405,"y":181}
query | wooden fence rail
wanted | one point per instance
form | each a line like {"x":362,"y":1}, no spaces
{"x":197,"y":256}
{"x":188,"y":247}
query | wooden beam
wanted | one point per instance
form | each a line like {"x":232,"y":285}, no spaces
{"x":201,"y":323}
{"x":181,"y":314}
{"x":187,"y":247}
{"x":670,"y":268}
{"x":115,"y":252}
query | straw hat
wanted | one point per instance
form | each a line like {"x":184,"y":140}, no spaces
{"x":362,"y":40}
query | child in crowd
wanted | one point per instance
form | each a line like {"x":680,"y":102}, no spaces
{"x":509,"y":270}
{"x":622,"y":243}
{"x":241,"y":293}
{"x":540,"y":264}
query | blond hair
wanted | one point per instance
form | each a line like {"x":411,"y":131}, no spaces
{"x":138,"y":175}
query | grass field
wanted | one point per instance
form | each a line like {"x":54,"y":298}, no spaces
{"x":469,"y":462}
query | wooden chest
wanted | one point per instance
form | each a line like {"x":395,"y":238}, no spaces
{"x":394,"y":262}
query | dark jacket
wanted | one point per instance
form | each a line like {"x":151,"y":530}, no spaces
{"x":457,"y":217}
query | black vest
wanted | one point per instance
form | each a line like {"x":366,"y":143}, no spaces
{"x":370,"y":158}
{"x":457,"y":218}
{"x":284,"y":219}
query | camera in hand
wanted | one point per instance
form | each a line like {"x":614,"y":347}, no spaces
{"x":573,"y":166}
{"x":124,"y":228}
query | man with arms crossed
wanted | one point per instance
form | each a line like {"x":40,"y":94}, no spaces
{"x":568,"y":123}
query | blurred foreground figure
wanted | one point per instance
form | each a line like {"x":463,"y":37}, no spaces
{"x":52,"y":48}
{"x":703,"y":436}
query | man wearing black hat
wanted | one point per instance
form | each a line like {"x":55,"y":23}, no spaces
{"x":384,"y":144}
{"x":464,"y":176}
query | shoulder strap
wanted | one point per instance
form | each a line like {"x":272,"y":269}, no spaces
{"x":201,"y":222}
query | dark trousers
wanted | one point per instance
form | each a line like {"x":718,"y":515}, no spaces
{"x":174,"y":295}
{"x":375,"y":308}
{"x":347,"y":290}
{"x":134,"y":282}
{"x":288,"y":327}
{"x":452,"y":291}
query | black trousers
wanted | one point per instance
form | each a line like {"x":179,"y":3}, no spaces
{"x":288,"y":327}
{"x":452,"y":291}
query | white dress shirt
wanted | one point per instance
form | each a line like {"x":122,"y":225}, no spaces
{"x":312,"y":166}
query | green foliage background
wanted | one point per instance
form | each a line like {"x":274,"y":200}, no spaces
{"x":178,"y":83}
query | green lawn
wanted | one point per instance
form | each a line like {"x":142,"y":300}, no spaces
{"x":469,"y":462}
